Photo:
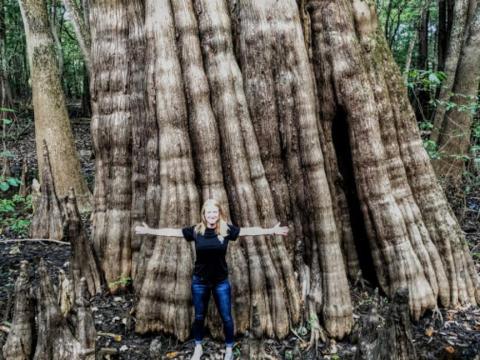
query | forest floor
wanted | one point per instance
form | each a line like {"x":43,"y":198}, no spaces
{"x":456,"y":337}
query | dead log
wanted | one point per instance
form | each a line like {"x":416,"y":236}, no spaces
{"x":55,"y":340}
{"x":19,"y":342}
{"x":394,"y":341}
{"x":22,"y":190}
{"x":83,"y":263}
{"x":47,"y":222}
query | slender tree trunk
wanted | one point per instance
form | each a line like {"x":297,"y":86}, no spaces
{"x":82,"y":31}
{"x":55,"y":23}
{"x":422,"y":107}
{"x":5,"y":92}
{"x":51,"y":118}
{"x":454,"y":47}
{"x":454,"y":137}
{"x":284,"y":114}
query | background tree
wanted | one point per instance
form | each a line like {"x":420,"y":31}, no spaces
{"x":221,"y":98}
{"x":452,"y":124}
{"x":51,"y":118}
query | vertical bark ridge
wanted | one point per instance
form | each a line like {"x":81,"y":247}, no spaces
{"x":111,"y":130}
{"x":249,"y":192}
{"x":328,"y":118}
{"x":421,"y":240}
{"x":438,"y":217}
{"x":136,"y":42}
{"x":387,"y":228}
{"x":146,"y":244}
{"x":255,"y":57}
{"x":294,"y":70}
{"x":417,"y":232}
{"x":205,"y":139}
{"x":168,"y":307}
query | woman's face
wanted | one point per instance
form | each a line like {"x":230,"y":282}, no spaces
{"x":211,"y":214}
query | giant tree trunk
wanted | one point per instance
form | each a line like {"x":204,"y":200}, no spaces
{"x":288,"y":114}
{"x":51,"y":118}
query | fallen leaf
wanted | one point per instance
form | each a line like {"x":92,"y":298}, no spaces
{"x":429,"y":331}
{"x":449,"y":349}
{"x":172,"y":354}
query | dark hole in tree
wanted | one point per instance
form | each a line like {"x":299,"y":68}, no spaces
{"x":340,"y":137}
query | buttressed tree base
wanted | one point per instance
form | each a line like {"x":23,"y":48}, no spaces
{"x":284,"y":111}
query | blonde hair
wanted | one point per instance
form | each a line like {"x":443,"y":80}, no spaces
{"x":221,"y":227}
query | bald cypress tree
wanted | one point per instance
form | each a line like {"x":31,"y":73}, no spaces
{"x":284,"y":111}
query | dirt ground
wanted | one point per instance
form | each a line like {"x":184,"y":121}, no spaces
{"x":456,"y":337}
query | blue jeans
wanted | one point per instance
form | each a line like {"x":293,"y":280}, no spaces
{"x":222,"y":295}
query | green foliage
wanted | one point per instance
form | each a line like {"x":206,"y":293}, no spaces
{"x":6,"y":183}
{"x":15,"y":215}
{"x":236,"y":352}
{"x":431,"y":147}
{"x":425,"y":79}
{"x":464,"y":103}
{"x":123,"y":282}
{"x":425,"y":125}
{"x":400,"y":20}
{"x":288,"y":355}
{"x":16,"y":61}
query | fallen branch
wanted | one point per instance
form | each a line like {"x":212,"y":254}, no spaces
{"x":35,"y":240}
{"x":115,"y":337}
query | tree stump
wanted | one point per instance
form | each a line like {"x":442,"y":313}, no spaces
{"x":66,"y":295}
{"x":55,"y":340}
{"x":85,"y":327}
{"x":19,"y":342}
{"x":47,"y":222}
{"x":83,"y":263}
{"x":394,"y":340}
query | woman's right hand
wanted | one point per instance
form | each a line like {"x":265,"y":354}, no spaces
{"x":145,"y":229}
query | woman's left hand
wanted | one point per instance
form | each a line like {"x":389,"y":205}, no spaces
{"x":280,"y":230}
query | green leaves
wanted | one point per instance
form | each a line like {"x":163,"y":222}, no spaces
{"x":15,"y":214}
{"x":5,"y":184}
{"x":425,"y":79}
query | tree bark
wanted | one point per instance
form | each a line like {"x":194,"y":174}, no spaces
{"x":83,"y":264}
{"x":454,"y":137}
{"x":55,"y":21}
{"x":5,"y":91}
{"x":394,"y":340}
{"x":19,"y":342}
{"x":55,"y":340}
{"x":48,"y":218}
{"x":232,"y":100}
{"x":422,"y":106}
{"x":453,"y":51}
{"x":51,"y":118}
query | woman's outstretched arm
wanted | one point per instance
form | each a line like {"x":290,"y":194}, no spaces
{"x":145,"y":229}
{"x":252,"y":231}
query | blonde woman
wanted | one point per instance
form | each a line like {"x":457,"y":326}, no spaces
{"x":211,"y":237}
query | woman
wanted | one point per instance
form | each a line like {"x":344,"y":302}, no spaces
{"x":211,"y":238}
